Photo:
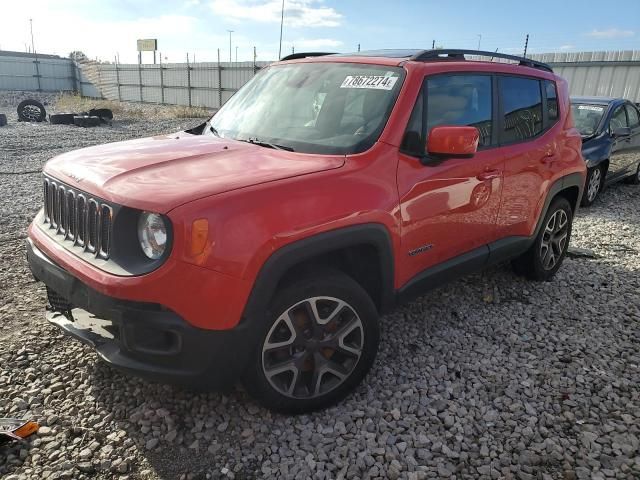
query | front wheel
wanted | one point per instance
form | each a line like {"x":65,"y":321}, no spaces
{"x":595,"y":180}
{"x":318,"y":341}
{"x":545,"y":256}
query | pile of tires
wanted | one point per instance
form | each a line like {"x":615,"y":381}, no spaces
{"x":92,"y":118}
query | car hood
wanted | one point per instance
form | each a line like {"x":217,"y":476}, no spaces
{"x":160,"y":173}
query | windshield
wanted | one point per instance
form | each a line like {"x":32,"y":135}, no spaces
{"x":329,"y":108}
{"x":587,"y":117}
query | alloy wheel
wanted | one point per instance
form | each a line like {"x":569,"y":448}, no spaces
{"x":595,"y":180}
{"x":31,"y":113}
{"x":313,"y":347}
{"x":554,"y":239}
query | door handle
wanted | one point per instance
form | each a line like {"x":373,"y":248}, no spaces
{"x":488,"y":175}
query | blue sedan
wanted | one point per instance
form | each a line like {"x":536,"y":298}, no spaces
{"x":610,"y":129}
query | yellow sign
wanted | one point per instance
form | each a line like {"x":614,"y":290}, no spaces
{"x":148,"y":45}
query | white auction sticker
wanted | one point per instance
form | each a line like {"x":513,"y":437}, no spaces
{"x":590,"y":107}
{"x":375,"y":82}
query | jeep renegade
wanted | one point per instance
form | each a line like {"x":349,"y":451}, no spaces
{"x":264,"y":244}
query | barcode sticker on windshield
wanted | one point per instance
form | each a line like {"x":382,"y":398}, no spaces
{"x":375,"y":82}
{"x":590,"y":107}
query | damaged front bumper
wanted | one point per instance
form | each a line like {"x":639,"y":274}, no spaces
{"x":145,"y":339}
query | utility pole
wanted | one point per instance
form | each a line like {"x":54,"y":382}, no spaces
{"x":236,"y":54}
{"x":281,"y":23}
{"x":526,"y":44}
{"x":358,"y":47}
{"x":433,"y":45}
{"x":479,"y":40}
{"x":33,"y":46}
{"x":35,"y":55}
{"x":230,"y":32}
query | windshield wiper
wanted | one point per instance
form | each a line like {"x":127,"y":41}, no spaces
{"x":275,"y":146}
{"x":214,"y":131}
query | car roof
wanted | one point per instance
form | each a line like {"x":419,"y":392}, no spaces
{"x":597,"y":100}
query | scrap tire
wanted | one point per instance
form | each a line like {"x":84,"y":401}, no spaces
{"x":62,"y":118}
{"x":88,"y":121}
{"x":105,"y":114}
{"x":3,"y":119}
{"x":31,"y":111}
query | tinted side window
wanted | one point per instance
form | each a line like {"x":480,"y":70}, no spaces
{"x":522,"y":106}
{"x":634,"y":119}
{"x":461,"y":100}
{"x":618,"y":119}
{"x":552,"y":101}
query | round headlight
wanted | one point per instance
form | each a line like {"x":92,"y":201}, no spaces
{"x":152,"y":234}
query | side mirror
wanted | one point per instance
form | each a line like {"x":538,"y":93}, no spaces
{"x":453,"y":141}
{"x":621,"y":132}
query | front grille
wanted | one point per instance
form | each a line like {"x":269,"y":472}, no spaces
{"x":78,"y":218}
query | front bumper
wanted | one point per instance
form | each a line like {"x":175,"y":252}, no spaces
{"x":146,"y":339}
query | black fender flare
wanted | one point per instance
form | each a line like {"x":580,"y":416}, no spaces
{"x":563,"y":183}
{"x":292,"y":254}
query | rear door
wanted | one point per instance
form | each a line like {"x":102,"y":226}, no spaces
{"x":448,"y":207}
{"x":633,"y":116}
{"x":530,"y":150}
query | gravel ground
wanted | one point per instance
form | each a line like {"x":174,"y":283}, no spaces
{"x":488,"y":377}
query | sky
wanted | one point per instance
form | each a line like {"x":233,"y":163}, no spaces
{"x":106,"y":29}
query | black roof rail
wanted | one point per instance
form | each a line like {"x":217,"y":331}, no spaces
{"x":295,"y":56}
{"x":458,"y":54}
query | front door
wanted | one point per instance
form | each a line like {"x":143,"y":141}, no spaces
{"x":448,"y":207}
{"x":622,"y":149}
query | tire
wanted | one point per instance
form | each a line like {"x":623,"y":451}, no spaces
{"x":635,"y":179}
{"x":3,"y":119}
{"x":593,"y":185}
{"x":553,"y":238}
{"x":104,"y":114}
{"x":61,"y":118}
{"x":31,"y":111}
{"x":86,"y":121}
{"x":312,"y":349}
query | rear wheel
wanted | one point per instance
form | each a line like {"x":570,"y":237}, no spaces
{"x":595,"y":180}
{"x":545,"y":256}
{"x":318,"y":341}
{"x":635,"y":179}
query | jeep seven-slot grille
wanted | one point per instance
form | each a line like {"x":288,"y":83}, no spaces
{"x":78,"y":218}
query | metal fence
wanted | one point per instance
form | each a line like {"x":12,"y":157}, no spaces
{"x":43,"y":73}
{"x":205,"y":84}
{"x":609,"y":74}
{"x":211,"y":84}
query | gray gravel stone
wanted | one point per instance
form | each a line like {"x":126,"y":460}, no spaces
{"x":488,"y":377}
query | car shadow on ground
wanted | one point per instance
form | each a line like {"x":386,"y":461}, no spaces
{"x":477,"y":362}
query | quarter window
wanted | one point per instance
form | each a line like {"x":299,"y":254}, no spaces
{"x":552,"y":101}
{"x":632,"y":113}
{"x":522,"y":107}
{"x":461,"y":100}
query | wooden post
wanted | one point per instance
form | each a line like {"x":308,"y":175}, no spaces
{"x":161,"y":80}
{"x":189,"y":79}
{"x":140,"y":80}
{"x":219,"y":81}
{"x":118,"y":80}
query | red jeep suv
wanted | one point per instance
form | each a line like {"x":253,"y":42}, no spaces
{"x":265,"y":243}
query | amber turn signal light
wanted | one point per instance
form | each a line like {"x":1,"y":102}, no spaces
{"x":199,"y":235}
